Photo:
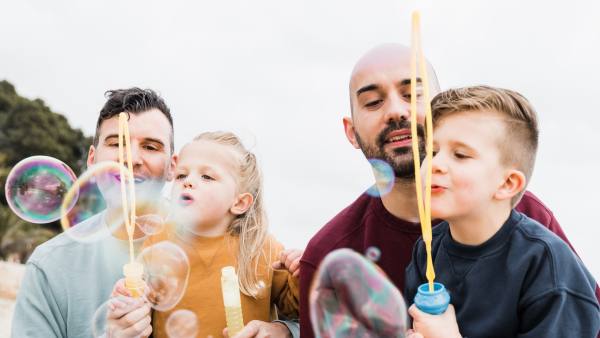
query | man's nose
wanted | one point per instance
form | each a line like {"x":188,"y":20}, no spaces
{"x":136,"y":155}
{"x":397,"y":109}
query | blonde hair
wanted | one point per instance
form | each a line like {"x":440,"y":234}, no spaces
{"x":251,"y":226}
{"x":518,"y":147}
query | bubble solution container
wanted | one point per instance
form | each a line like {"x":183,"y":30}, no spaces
{"x":433,"y":302}
{"x":231,"y":300}
{"x":133,"y":278}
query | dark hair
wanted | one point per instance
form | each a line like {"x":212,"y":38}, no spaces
{"x":519,"y":144}
{"x":132,"y":101}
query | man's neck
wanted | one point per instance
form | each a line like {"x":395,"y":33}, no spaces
{"x":478,"y":227}
{"x":401,"y":201}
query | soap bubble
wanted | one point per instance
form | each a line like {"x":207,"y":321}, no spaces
{"x":166,"y":272}
{"x":182,"y":324}
{"x":35,"y":188}
{"x":384,"y":178}
{"x":97,"y":193}
{"x":92,"y":192}
{"x":373,"y":254}
{"x":351,"y":297}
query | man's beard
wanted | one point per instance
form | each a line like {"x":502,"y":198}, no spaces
{"x":400,"y":159}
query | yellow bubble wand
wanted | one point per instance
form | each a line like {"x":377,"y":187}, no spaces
{"x":423,"y":205}
{"x":133,"y":270}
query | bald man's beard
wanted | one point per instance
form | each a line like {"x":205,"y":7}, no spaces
{"x":400,"y":159}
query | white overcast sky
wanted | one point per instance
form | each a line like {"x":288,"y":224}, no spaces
{"x":276,"y":72}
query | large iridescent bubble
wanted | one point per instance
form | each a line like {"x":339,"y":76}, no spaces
{"x":351,"y":297}
{"x":166,"y":272}
{"x":97,"y":194}
{"x":36,"y":186}
{"x":89,"y":197}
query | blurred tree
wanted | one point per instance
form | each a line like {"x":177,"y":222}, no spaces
{"x":27,"y":128}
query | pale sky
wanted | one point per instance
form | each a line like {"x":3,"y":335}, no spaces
{"x":276,"y":73}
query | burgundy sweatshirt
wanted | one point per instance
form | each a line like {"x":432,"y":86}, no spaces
{"x":366,"y":223}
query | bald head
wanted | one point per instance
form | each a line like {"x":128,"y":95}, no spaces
{"x":387,"y":63}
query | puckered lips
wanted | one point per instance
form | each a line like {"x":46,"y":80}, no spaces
{"x":398,"y":138}
{"x":185,"y":199}
{"x":437,"y":189}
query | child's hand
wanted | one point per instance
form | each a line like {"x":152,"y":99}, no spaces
{"x":289,"y":259}
{"x":435,"y":326}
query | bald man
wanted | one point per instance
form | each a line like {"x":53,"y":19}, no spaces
{"x":379,"y":125}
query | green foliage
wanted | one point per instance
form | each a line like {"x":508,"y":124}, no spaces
{"x":28,"y":127}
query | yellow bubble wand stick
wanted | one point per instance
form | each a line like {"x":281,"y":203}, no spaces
{"x":424,"y":205}
{"x":133,"y":270}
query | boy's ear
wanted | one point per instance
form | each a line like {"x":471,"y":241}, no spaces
{"x":349,"y":130}
{"x":242,"y":203}
{"x":513,"y":184}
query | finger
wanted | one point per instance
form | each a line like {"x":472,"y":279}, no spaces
{"x":295,"y":265}
{"x":134,"y":316}
{"x":121,"y":306}
{"x":289,"y":260}
{"x":249,"y":331}
{"x":296,"y":274}
{"x":225,"y":333}
{"x":277,"y":265}
{"x":138,"y":327}
{"x":414,"y":312}
{"x":147,"y":332}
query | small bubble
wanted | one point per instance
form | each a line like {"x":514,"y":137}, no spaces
{"x":373,"y":254}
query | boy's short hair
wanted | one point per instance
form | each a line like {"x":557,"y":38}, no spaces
{"x":132,"y":101}
{"x":518,"y":147}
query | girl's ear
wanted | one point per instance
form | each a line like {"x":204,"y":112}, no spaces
{"x":513,"y":184}
{"x":242,"y":203}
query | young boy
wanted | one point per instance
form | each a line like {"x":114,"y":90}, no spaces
{"x":507,"y":275}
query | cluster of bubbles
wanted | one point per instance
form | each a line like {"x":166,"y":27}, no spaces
{"x":42,"y":189}
{"x":351,"y":297}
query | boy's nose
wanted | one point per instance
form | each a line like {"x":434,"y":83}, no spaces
{"x":437,"y":165}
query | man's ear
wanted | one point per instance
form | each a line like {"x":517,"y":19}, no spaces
{"x":91,"y":156}
{"x":514,"y":183}
{"x":171,"y":169}
{"x":350,"y":132}
{"x":242,"y":203}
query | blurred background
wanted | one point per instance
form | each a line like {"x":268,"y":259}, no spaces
{"x":276,"y":73}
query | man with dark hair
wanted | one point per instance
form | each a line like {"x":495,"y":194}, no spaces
{"x":380,"y":94}
{"x":66,"y":281}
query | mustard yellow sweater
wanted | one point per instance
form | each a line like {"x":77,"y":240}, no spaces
{"x":207,"y":255}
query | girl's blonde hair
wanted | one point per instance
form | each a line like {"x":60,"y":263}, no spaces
{"x":251,"y":227}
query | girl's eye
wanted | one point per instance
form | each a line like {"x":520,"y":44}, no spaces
{"x":206,"y":177}
{"x":180,"y":176}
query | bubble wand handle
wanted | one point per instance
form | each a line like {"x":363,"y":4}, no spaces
{"x":424,"y":205}
{"x":133,"y":271}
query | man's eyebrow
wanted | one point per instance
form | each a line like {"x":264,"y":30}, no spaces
{"x":406,"y":82}
{"x":146,"y":139}
{"x":366,"y":89}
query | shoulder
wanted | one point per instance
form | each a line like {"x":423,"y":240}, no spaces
{"x":534,"y":208}
{"x":549,"y":262}
{"x":338,"y":230}
{"x":52,"y":254}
